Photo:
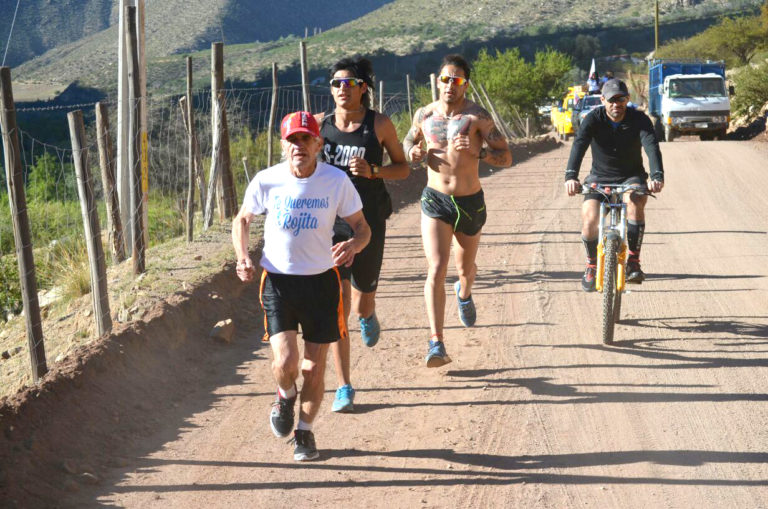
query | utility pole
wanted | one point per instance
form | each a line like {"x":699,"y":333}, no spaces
{"x":656,"y":29}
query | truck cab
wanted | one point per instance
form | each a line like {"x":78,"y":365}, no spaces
{"x":689,"y":98}
{"x":562,"y":114}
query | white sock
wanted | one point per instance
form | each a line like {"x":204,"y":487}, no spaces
{"x":287,"y":394}
{"x":304,"y":425}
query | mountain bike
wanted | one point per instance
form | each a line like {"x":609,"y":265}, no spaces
{"x":610,"y":277}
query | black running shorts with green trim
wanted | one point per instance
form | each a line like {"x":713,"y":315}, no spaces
{"x":314,"y":302}
{"x":465,"y":214}
{"x":366,"y":267}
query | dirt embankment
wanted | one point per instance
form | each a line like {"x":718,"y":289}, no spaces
{"x":95,"y":407}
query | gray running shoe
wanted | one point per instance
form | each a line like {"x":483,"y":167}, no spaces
{"x":281,"y":416}
{"x":436,"y":355}
{"x":305,"y":448}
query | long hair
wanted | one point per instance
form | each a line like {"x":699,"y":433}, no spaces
{"x":362,"y":69}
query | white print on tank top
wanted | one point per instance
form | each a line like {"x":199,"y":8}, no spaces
{"x":342,"y":154}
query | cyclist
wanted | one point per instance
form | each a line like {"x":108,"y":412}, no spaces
{"x":616,"y":134}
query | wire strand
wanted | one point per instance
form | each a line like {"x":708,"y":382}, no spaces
{"x":8,"y":44}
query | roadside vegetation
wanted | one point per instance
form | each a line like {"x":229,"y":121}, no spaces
{"x":743,"y":43}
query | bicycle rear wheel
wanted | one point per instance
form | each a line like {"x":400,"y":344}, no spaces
{"x":610,"y":292}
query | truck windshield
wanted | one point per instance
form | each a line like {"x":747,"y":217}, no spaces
{"x":696,"y":87}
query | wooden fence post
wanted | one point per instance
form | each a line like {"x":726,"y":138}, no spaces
{"x":213,"y":178}
{"x":187,"y":115}
{"x":408,"y":93}
{"x":23,"y":239}
{"x":98,"y":267}
{"x":304,"y":76}
{"x":272,"y":113}
{"x":226,"y":185}
{"x":134,"y":154}
{"x":433,"y":85}
{"x":106,"y":163}
{"x":198,"y":159}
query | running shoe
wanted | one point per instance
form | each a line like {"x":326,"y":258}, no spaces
{"x":635,"y":274}
{"x":281,"y":416}
{"x":588,"y":279}
{"x":467,"y":312}
{"x":344,"y":400}
{"x":436,"y":355}
{"x":305,"y":448}
{"x":370,"y":330}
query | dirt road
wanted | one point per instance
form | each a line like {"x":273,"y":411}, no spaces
{"x":534,"y":411}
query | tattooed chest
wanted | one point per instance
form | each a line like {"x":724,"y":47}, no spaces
{"x":438,"y":129}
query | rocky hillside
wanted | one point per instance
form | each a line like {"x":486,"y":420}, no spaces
{"x":373,"y":27}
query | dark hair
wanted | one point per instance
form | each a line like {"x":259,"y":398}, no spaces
{"x":362,"y":69}
{"x":456,"y":60}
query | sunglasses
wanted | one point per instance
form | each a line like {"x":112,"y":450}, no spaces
{"x":456,"y":80}
{"x":347,"y":82}
{"x":621,"y":99}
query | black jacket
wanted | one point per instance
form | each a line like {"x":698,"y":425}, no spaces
{"x":616,"y":151}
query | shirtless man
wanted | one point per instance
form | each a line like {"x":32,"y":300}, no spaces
{"x":453,"y":208}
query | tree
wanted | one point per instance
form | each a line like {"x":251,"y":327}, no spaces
{"x":751,"y":90}
{"x":518,"y":86}
{"x":741,"y":37}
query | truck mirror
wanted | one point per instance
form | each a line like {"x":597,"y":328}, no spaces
{"x":731,"y":90}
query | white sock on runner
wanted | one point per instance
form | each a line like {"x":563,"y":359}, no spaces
{"x":304,"y":425}
{"x":287,"y":394}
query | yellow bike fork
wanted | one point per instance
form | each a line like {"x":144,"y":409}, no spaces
{"x":621,"y":271}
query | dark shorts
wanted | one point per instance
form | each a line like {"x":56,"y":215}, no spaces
{"x":466,"y":214}
{"x":592,"y":179}
{"x":314,"y":302}
{"x":365,"y":269}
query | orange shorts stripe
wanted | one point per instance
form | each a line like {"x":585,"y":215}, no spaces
{"x":265,"y":337}
{"x":340,"y":310}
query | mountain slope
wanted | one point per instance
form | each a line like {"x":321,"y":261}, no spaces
{"x":401,"y":27}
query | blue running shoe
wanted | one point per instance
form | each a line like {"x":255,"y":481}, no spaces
{"x":345,"y":399}
{"x":370,"y":330}
{"x":467,"y":313}
{"x":436,"y":355}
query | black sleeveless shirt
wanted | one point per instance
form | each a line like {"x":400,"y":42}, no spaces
{"x":339,"y":147}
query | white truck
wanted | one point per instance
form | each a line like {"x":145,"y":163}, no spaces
{"x":689,"y":98}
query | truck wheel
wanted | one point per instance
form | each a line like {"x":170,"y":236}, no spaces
{"x":706,"y":137}
{"x":669,"y":134}
{"x":722,"y":134}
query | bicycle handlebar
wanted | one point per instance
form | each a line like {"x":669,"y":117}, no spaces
{"x":611,"y":189}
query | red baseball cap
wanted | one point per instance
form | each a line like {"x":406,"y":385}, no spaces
{"x":299,"y":122}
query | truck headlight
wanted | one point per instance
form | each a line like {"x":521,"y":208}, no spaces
{"x":720,"y":119}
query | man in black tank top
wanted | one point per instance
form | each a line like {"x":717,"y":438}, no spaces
{"x":354,"y":140}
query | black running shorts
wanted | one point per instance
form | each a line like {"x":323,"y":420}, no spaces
{"x":592,"y":179}
{"x":314,"y":302}
{"x":466,"y":214}
{"x":365,"y":269}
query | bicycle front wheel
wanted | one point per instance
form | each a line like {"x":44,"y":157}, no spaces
{"x":609,"y":289}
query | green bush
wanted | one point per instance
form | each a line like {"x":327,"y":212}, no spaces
{"x":519,"y":86}
{"x":51,"y":180}
{"x":751,"y":84}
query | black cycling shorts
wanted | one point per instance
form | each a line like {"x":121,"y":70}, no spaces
{"x":466,"y":214}
{"x":366,"y":267}
{"x":592,"y":179}
{"x":314,"y":302}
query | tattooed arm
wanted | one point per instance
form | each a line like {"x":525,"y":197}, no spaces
{"x":498,"y":153}
{"x":412,"y":141}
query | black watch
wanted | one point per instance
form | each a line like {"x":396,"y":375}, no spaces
{"x":374,"y":171}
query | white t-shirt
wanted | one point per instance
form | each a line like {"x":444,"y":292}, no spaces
{"x":300,"y":212}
